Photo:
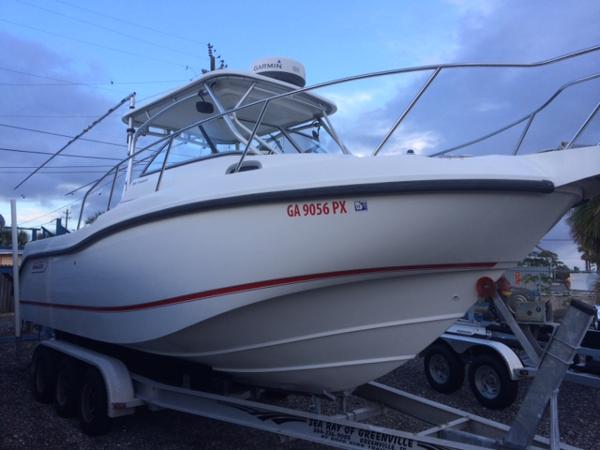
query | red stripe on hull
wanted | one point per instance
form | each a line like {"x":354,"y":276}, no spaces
{"x":258,"y":285}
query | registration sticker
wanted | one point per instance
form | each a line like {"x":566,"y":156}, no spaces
{"x":360,"y":206}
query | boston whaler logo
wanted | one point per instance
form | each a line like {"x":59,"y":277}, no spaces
{"x":271,"y":65}
{"x":38,"y":266}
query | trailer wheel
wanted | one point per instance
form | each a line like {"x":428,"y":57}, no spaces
{"x":444,"y":369}
{"x":93,"y":404}
{"x":490,"y":382}
{"x":67,"y":388}
{"x":43,"y":380}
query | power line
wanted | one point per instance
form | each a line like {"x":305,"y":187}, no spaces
{"x":139,"y":162}
{"x":66,"y":205}
{"x":91,"y":84}
{"x":62,"y":82}
{"x":83,"y":186}
{"x":112,"y":30}
{"x":110,"y":83}
{"x":50,"y":221}
{"x":118,"y":19}
{"x":56,"y":167}
{"x":48,"y":213}
{"x":50,"y":116}
{"x":71,"y":172}
{"x":77,"y":201}
{"x":20,"y":72}
{"x":35,"y":130}
{"x":93,"y":44}
{"x":154,"y":95}
{"x":66,"y":155}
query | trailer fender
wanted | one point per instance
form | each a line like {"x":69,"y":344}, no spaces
{"x":119,"y":388}
{"x":462,"y":344}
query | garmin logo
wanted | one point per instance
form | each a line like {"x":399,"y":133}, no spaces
{"x":264,"y":66}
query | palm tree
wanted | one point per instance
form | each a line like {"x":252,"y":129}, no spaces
{"x":585,"y":228}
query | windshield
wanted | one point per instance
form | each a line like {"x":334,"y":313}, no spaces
{"x":192,"y":125}
{"x":313,"y":137}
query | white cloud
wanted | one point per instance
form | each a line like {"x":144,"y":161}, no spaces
{"x":481,"y":8}
{"x":485,"y":106}
{"x":32,"y":213}
{"x":349,"y":104}
{"x":419,"y":141}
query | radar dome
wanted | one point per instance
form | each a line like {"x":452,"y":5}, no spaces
{"x":283,"y":69}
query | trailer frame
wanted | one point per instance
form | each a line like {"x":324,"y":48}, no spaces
{"x":448,"y":427}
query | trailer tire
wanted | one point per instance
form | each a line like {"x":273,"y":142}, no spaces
{"x":444,"y":369}
{"x":43,"y":380}
{"x":491,"y":383}
{"x":67,"y":390}
{"x":93,"y":404}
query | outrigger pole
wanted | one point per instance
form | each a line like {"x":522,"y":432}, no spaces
{"x":130,"y":142}
{"x":85,"y":130}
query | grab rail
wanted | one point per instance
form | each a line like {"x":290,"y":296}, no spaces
{"x":583,"y":126}
{"x":435,"y":69}
{"x":407,"y":110}
{"x":529,"y":116}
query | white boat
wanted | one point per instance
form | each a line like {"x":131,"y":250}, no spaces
{"x":245,"y":246}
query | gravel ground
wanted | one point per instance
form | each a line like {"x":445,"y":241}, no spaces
{"x":25,"y":424}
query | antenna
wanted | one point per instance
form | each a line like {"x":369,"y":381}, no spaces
{"x":67,"y":214}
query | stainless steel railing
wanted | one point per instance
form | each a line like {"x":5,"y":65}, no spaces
{"x":529,"y":118}
{"x":435,"y":71}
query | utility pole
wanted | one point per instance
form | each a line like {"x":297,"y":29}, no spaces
{"x":213,"y":58}
{"x":67,"y":212}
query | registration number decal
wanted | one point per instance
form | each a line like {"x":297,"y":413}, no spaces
{"x":328,"y":208}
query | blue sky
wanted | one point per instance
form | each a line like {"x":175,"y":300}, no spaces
{"x":333,"y":38}
{"x":115,"y":47}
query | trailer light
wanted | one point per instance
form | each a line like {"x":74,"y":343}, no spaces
{"x":485,"y":287}
{"x":504,"y":286}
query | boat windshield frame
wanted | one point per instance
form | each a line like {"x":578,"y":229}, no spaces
{"x":286,"y":134}
{"x":236,"y":125}
{"x":263,"y":103}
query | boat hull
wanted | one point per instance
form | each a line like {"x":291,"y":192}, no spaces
{"x":307,"y":302}
{"x":332,"y":338}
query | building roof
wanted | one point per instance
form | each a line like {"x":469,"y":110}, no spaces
{"x":8,"y":251}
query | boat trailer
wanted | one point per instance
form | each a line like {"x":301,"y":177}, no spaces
{"x":345,"y":427}
{"x":496,"y":347}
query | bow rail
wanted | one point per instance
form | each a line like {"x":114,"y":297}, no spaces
{"x":264,"y":103}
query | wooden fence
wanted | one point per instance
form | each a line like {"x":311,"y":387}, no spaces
{"x":6,"y":293}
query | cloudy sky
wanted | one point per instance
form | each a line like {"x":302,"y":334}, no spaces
{"x":64,"y":63}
